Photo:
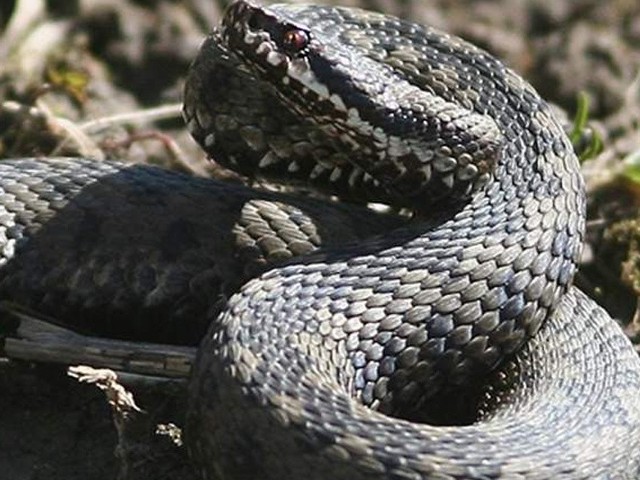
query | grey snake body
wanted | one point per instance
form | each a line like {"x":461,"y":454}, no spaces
{"x":328,"y":365}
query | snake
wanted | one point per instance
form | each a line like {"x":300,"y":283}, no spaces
{"x":338,"y":340}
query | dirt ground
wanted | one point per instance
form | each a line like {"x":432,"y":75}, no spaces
{"x":67,"y":64}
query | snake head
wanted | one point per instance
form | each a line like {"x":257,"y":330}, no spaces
{"x":396,"y":129}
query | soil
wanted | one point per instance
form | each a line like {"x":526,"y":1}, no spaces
{"x":82,"y":60}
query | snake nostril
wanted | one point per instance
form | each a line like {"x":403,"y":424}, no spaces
{"x":255,"y":21}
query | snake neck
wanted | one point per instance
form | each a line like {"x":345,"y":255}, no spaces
{"x":431,"y":116}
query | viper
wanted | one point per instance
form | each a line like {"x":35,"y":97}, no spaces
{"x":446,"y":342}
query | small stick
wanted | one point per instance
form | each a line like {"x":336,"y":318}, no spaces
{"x":162,"y":112}
{"x":38,"y":340}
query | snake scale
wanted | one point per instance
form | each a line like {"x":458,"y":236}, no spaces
{"x":359,"y":332}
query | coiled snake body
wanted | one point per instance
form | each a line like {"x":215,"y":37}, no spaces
{"x":330,"y":365}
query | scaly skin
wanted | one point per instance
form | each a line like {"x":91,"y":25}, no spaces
{"x":146,"y":254}
{"x":304,"y":374}
{"x":305,"y":371}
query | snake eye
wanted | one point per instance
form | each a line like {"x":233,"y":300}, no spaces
{"x":295,"y":39}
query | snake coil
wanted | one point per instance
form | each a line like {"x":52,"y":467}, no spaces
{"x":326,"y":367}
{"x":449,"y":346}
